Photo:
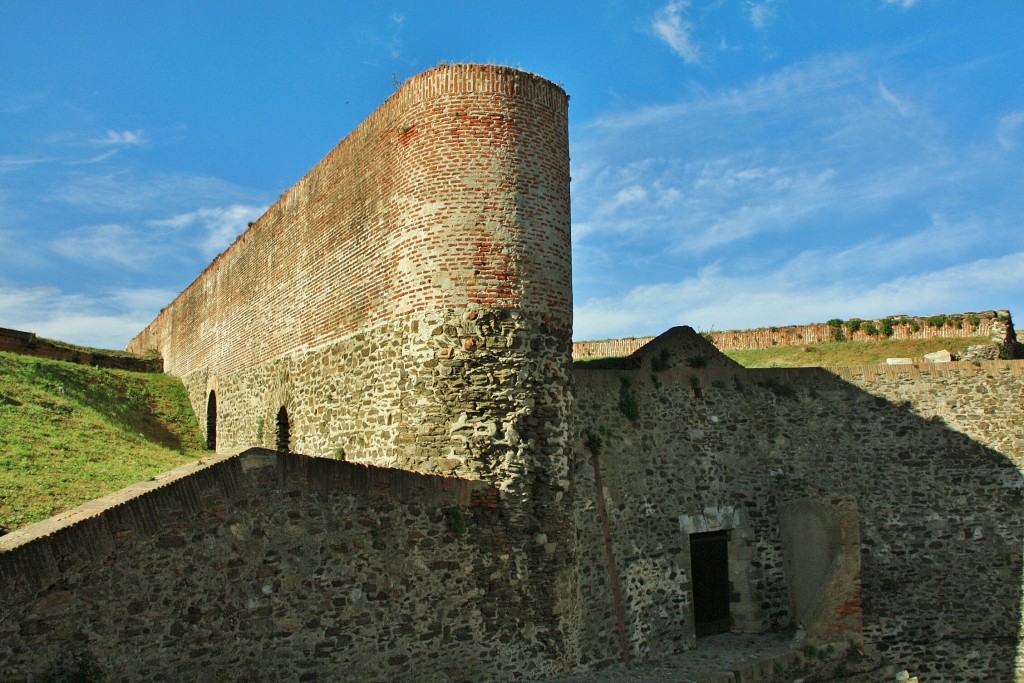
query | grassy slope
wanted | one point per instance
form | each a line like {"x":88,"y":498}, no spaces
{"x":844,"y":354}
{"x":70,"y":433}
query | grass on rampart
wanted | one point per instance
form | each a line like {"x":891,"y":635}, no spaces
{"x":71,"y":433}
{"x":845,"y":354}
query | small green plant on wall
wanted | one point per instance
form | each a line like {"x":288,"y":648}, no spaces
{"x":661,"y":362}
{"x":627,"y":401}
{"x":454,"y":520}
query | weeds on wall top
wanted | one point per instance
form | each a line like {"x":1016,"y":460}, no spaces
{"x":835,"y":326}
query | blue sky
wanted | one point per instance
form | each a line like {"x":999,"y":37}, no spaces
{"x":735,"y":163}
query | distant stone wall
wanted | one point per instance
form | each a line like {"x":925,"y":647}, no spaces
{"x":932,"y":457}
{"x":608,"y":348}
{"x":271,"y":566}
{"x":996,"y":325}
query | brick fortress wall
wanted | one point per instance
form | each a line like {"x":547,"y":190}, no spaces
{"x":409,"y":301}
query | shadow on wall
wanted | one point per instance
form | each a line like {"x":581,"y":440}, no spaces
{"x":941,"y":528}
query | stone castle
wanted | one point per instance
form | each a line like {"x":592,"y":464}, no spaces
{"x":468,"y":505}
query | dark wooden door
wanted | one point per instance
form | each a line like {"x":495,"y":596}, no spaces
{"x":709,"y":566}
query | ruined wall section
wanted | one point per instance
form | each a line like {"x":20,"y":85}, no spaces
{"x":995,"y":325}
{"x":931,"y":456}
{"x":270,"y":566}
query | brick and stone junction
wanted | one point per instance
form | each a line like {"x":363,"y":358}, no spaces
{"x":467,"y":505}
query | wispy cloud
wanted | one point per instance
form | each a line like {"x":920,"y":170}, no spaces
{"x":670,"y":26}
{"x":124,"y":191}
{"x":10,"y":163}
{"x":124,"y":137}
{"x":218,"y":226}
{"x":825,"y":149}
{"x":103,"y":245}
{"x":902,"y":106}
{"x":761,"y":13}
{"x":1008,"y":129}
{"x":98,"y":158}
{"x":390,"y":40}
{"x":184,"y":237}
{"x":905,"y":4}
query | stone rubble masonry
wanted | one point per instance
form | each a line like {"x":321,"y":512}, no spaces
{"x":931,"y":455}
{"x":270,"y":566}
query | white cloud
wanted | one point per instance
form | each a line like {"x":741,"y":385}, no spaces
{"x":1007,"y":129}
{"x":761,"y":13}
{"x":905,"y":4}
{"x":813,"y":192}
{"x":103,"y":156}
{"x":669,"y":25}
{"x":391,"y":42}
{"x":108,"y":322}
{"x":207,"y":231}
{"x":124,"y":137}
{"x":806,"y":289}
{"x":100,"y":245}
{"x":219,"y":226}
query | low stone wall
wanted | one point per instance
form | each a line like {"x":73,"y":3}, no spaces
{"x":270,"y":566}
{"x":28,"y":344}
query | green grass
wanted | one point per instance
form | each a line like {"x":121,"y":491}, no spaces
{"x":844,"y":354}
{"x":70,"y":433}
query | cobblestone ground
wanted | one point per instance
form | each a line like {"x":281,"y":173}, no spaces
{"x":718,"y":659}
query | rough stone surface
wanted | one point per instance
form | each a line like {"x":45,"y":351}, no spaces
{"x":932,"y":456}
{"x":276,"y":567}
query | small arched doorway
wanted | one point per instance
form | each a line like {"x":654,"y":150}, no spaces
{"x":284,"y":436}
{"x":211,"y":421}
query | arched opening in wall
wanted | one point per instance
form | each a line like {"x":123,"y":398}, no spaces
{"x":709,"y":567}
{"x":211,"y":421}
{"x":284,"y":435}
